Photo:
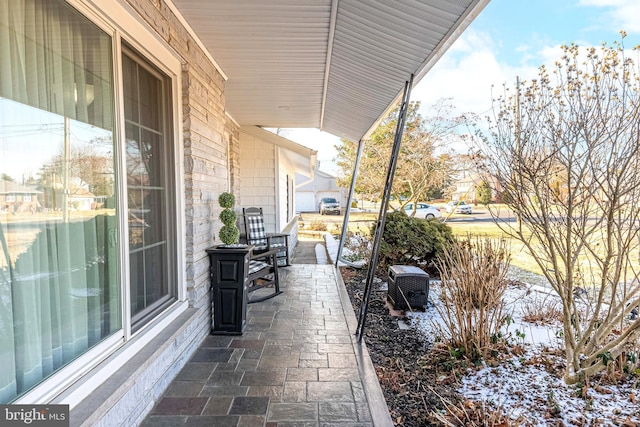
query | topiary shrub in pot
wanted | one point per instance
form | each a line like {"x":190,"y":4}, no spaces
{"x":229,"y":233}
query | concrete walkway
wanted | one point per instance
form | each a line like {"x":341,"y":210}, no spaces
{"x":298,"y":363}
{"x":310,"y":250}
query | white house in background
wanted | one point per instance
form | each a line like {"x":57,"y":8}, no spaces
{"x":465,"y":187}
{"x":308,"y":194}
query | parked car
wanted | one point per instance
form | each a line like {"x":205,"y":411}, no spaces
{"x":423,"y":210}
{"x":329,"y":205}
{"x":459,"y":207}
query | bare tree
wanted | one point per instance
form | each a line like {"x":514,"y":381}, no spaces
{"x":423,"y":166}
{"x":566,"y":150}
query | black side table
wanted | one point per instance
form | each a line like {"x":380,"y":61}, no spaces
{"x":228,"y":273}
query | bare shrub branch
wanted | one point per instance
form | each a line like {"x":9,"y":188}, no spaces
{"x":542,"y":311}
{"x":565,"y":149}
{"x":472,"y":291}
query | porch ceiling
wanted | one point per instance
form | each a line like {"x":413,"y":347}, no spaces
{"x":337,"y":65}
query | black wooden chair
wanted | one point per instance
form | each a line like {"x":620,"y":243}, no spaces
{"x":263,"y":276}
{"x":267,"y":255}
{"x":262,"y":241}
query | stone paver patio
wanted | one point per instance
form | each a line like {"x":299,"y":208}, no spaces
{"x":298,"y":363}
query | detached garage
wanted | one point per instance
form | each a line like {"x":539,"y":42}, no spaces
{"x":309,"y":193}
{"x":306,"y":201}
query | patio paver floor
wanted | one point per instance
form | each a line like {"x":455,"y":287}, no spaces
{"x":298,"y":363}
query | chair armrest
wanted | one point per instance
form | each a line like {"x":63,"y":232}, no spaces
{"x":279,"y":242}
{"x":275,"y":236}
{"x":268,"y":253}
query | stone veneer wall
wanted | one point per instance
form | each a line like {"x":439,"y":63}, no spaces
{"x":211,"y":166}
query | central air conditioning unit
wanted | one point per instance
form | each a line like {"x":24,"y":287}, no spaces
{"x":408,"y":286}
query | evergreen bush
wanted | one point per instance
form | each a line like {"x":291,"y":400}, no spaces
{"x":483,"y":193}
{"x":412,"y":241}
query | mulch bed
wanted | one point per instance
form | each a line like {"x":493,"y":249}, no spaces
{"x":409,"y":373}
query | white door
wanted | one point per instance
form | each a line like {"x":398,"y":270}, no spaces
{"x":306,"y":201}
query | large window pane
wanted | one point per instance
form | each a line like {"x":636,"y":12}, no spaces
{"x":149,"y":175}
{"x":59,"y":288}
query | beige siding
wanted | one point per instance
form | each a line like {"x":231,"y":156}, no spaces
{"x":284,"y":168}
{"x":258,"y":177}
{"x":288,"y":222}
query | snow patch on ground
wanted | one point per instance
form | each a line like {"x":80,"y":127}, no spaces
{"x":530,"y":386}
{"x":524,"y":388}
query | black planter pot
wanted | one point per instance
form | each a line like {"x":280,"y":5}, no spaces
{"x":228,"y":274}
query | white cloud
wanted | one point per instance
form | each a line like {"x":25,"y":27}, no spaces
{"x":469,"y":74}
{"x":621,"y":14}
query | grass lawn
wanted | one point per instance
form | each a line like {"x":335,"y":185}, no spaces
{"x":360,"y":222}
{"x":520,"y":257}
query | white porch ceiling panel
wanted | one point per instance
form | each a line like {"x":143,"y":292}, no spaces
{"x":338,"y":65}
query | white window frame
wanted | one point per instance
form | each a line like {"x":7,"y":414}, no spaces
{"x":79,"y":378}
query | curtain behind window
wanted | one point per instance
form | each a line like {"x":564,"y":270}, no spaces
{"x":59,"y":293}
{"x":54,"y":59}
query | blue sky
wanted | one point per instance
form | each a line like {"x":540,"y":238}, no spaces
{"x":521,"y":28}
{"x":509,"y":38}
